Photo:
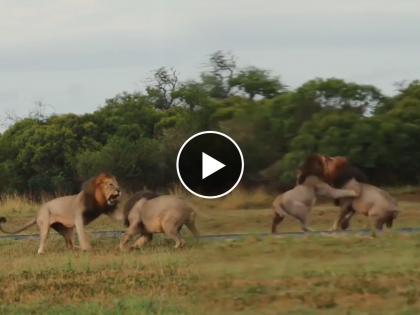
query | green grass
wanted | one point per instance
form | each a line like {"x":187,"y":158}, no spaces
{"x":309,"y":275}
{"x":266,"y":276}
{"x":135,"y":306}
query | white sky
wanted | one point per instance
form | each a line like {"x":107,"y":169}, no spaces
{"x":73,"y":54}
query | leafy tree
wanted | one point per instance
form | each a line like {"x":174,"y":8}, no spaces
{"x":336,"y":94}
{"x":192,"y":95}
{"x":259,"y":134}
{"x":136,"y":163}
{"x":41,"y":154}
{"x":400,"y":129}
{"x":164,"y":85}
{"x":126,"y":112}
{"x":137,"y":136}
{"x":331,"y":133}
{"x":254,"y":81}
{"x":410,"y":90}
{"x":223,"y":66}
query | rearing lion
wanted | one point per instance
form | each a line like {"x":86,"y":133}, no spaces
{"x":371,"y":201}
{"x":298,"y":201}
{"x":99,"y":195}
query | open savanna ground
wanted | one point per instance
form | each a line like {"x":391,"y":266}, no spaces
{"x":345,"y":274}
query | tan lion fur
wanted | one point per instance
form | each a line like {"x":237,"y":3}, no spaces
{"x":298,"y":201}
{"x":373,"y":202}
{"x":162,"y":214}
{"x":99,"y":195}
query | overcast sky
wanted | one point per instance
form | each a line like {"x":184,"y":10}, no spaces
{"x":72,"y":55}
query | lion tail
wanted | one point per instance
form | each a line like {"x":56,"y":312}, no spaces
{"x":27,"y":225}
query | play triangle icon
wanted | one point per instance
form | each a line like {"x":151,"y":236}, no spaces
{"x":209,"y":165}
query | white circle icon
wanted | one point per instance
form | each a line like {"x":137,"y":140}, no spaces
{"x":210,"y":164}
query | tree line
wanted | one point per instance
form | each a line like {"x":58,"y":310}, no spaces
{"x":136,"y":136}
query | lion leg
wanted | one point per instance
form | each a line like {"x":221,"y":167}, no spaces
{"x":278,"y":216}
{"x":44,"y":228}
{"x":345,"y":223}
{"x":379,"y":224}
{"x":277,"y":219}
{"x":142,"y":240}
{"x":81,"y":233}
{"x":172,"y":232}
{"x":171,"y":227}
{"x":67,"y":233}
{"x":372,"y":222}
{"x":300,"y":212}
{"x":69,"y":238}
{"x":132,"y":230}
{"x":341,"y":217}
{"x":304,"y":225}
{"x":389,"y":218}
{"x":384,"y":220}
{"x":191,"y":226}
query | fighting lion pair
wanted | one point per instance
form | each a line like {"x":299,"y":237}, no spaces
{"x":144,"y":214}
{"x":316,"y":177}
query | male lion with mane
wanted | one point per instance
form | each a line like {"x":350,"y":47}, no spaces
{"x":99,"y":195}
{"x":371,"y":201}
{"x":297,"y":202}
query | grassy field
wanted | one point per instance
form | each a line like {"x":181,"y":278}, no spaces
{"x":310,"y":275}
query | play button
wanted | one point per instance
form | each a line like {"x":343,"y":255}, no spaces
{"x":210,"y":164}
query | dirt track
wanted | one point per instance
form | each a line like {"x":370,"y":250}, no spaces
{"x":230,"y":237}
